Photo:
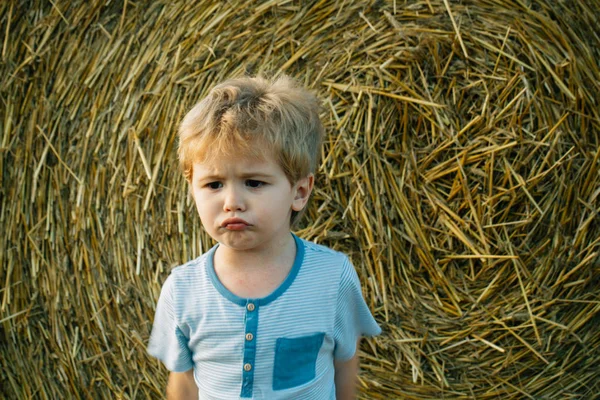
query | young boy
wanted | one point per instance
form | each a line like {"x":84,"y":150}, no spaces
{"x":263,"y":314}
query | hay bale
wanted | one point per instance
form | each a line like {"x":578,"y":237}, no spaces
{"x":461,"y":172}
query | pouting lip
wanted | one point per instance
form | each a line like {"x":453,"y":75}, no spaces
{"x":233,"y":221}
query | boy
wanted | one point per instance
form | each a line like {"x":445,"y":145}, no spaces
{"x":263,"y":314}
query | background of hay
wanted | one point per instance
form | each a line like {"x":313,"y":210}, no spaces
{"x":461,"y":172}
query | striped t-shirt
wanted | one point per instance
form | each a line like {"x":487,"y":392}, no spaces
{"x":281,"y":346}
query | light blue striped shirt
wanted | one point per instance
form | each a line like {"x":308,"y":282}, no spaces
{"x":277,"y":347}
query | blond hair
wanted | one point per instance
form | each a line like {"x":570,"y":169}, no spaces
{"x":258,"y":117}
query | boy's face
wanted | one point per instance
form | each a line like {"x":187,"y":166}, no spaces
{"x":246,"y":203}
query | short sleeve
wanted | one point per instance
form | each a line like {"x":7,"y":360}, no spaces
{"x":168,"y":342}
{"x":353,"y":318}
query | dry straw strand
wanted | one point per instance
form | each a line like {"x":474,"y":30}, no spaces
{"x":459,"y":172}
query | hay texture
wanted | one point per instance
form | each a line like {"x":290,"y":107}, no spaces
{"x":460,"y":172}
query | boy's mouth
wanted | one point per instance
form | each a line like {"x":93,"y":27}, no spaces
{"x":235,"y":224}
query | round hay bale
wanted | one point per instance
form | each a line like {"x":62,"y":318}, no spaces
{"x":461,"y":173}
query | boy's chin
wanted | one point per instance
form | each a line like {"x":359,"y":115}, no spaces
{"x":239,"y":243}
{"x":249,"y":241}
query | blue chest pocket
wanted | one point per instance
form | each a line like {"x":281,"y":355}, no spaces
{"x":296,"y":360}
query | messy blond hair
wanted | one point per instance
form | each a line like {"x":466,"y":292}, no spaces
{"x":254,"y":116}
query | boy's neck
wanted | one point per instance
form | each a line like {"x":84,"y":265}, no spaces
{"x":280,"y":251}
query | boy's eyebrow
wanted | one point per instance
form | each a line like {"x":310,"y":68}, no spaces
{"x":255,"y":174}
{"x":251,"y":174}
{"x":208,"y":178}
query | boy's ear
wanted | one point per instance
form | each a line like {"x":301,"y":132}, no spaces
{"x":303,"y":189}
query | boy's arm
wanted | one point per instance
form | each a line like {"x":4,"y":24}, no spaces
{"x":345,"y":377}
{"x":181,"y":386}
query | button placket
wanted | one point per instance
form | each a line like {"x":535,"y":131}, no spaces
{"x":248,"y":366}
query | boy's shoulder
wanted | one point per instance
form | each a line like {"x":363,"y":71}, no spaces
{"x":319,"y":247}
{"x":313,"y":249}
{"x":329,"y":265}
{"x":189,"y":270}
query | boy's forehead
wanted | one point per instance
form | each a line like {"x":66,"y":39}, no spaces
{"x":218,"y":151}
{"x":242,"y":163}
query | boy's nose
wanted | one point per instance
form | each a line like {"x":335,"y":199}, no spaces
{"x":233,"y":201}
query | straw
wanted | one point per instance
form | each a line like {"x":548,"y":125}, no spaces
{"x":460,"y":173}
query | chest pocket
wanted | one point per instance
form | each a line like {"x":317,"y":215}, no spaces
{"x":296,"y":360}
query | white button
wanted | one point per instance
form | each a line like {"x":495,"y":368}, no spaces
{"x":247,"y":367}
{"x":250,"y":307}
{"x":249,"y":336}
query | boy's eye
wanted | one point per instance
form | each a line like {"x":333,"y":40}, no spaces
{"x":254,"y":183}
{"x":214,"y":185}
